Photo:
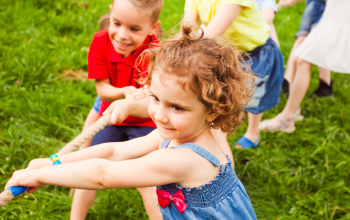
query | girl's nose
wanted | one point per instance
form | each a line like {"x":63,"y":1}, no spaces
{"x":161,"y":115}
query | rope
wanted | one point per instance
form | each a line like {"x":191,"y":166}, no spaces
{"x":13,"y":191}
{"x":86,"y":135}
{"x":5,"y":197}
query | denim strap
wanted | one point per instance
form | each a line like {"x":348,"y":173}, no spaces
{"x":203,"y":152}
{"x":165,"y":144}
{"x":196,"y":148}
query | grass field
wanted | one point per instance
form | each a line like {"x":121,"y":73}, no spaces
{"x":304,"y":175}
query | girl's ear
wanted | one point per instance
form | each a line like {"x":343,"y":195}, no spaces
{"x":212,"y":116}
{"x":154,"y":28}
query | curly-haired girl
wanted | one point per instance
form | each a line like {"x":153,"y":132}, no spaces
{"x":195,"y":83}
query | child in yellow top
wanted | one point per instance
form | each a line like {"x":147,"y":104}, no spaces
{"x":248,"y":30}
{"x":241,"y":21}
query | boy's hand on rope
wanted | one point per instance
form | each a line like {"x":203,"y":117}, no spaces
{"x":24,"y":177}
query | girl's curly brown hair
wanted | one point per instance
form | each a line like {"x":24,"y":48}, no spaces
{"x":211,"y":68}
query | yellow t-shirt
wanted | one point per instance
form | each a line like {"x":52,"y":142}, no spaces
{"x":248,"y":31}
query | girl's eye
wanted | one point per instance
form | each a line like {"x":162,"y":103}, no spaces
{"x":116,"y":24}
{"x":135,"y":29}
{"x":154,"y":98}
{"x":177,"y":108}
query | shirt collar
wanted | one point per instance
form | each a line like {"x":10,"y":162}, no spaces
{"x":131,"y":59}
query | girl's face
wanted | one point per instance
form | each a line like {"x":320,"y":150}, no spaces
{"x":128,"y":27}
{"x":178,"y":114}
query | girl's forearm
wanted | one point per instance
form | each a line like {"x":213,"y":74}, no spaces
{"x":82,"y":175}
{"x":139,"y":108}
{"x":101,"y":151}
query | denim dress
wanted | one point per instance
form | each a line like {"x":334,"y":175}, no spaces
{"x":267,"y":63}
{"x":222,"y":198}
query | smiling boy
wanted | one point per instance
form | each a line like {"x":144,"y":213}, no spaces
{"x":112,"y":63}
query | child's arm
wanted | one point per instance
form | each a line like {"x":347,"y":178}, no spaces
{"x":120,"y":109}
{"x":109,"y":93}
{"x":268,"y":14}
{"x":190,"y":16}
{"x":118,"y":151}
{"x":287,"y":3}
{"x":223,"y":19}
{"x":157,"y":168}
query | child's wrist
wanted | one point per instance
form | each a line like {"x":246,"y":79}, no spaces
{"x":55,"y":160}
{"x":125,"y":91}
{"x":48,"y":162}
{"x":38,"y":163}
{"x":129,"y":105}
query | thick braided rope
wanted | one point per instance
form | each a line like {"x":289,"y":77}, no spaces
{"x":86,"y":135}
{"x":7,"y":195}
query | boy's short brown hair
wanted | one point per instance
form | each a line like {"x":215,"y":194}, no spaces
{"x":150,"y":7}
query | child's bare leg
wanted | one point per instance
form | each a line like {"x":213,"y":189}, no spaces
{"x":90,"y":120}
{"x":82,"y":201}
{"x":253,"y":127}
{"x":274,"y":36}
{"x":325,"y":75}
{"x":292,"y":60}
{"x":298,"y":90}
{"x":221,"y":139}
{"x":149,"y":197}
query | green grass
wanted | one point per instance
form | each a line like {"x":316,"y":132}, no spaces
{"x":304,"y":175}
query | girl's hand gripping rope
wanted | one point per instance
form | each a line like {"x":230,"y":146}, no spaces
{"x":26,"y":178}
{"x":118,"y":110}
{"x":23,"y":178}
{"x":21,"y":181}
{"x":122,"y":108}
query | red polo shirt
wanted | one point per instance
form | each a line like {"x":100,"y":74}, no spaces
{"x":104,"y":62}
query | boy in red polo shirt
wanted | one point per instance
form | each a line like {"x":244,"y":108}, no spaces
{"x":112,"y":62}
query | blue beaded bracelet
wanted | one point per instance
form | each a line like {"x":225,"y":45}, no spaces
{"x":55,"y":159}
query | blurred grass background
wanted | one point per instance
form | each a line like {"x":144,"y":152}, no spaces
{"x":304,"y":175}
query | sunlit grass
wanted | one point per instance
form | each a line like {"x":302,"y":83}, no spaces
{"x":304,"y":175}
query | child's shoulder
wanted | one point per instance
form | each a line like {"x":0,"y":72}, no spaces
{"x":102,"y":35}
{"x":99,"y":42}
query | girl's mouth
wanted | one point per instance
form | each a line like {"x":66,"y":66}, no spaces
{"x":166,"y":128}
